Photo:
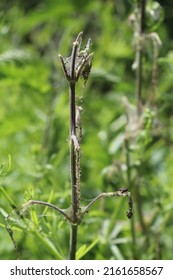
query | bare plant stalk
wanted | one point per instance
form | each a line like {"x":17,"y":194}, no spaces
{"x":80,"y":64}
{"x":121,"y":192}
{"x":50,"y":205}
{"x":73,"y":147}
{"x":75,"y":199}
{"x":139,"y":54}
{"x":139,"y":76}
{"x":76,"y":66}
{"x":129,"y":184}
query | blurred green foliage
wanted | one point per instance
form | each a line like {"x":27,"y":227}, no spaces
{"x":34,"y":129}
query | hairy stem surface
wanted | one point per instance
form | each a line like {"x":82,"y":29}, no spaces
{"x":74,"y":197}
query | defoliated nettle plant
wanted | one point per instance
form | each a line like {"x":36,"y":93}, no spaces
{"x":77,"y":66}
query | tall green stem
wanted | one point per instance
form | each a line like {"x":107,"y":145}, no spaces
{"x":139,"y":76}
{"x":139,"y":54}
{"x":129,"y":185}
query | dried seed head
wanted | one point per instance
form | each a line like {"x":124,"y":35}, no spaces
{"x":79,"y":63}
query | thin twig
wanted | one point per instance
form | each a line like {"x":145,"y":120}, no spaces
{"x":38,"y":202}
{"x":10,"y":232}
{"x":109,"y":194}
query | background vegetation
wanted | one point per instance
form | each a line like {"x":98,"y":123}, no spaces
{"x":34,"y":129}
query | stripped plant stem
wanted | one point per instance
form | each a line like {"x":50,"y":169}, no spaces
{"x":121,"y":192}
{"x":139,"y":74}
{"x":139,"y":55}
{"x":76,"y":66}
{"x":80,"y":65}
{"x":34,"y":202}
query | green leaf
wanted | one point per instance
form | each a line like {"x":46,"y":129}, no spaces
{"x":5,"y":194}
{"x":5,"y":167}
{"x":3,"y":213}
{"x":83,"y":250}
{"x":115,"y":250}
{"x":47,"y":243}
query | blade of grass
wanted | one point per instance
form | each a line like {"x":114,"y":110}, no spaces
{"x":5,"y":194}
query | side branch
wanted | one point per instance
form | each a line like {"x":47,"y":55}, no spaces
{"x":121,"y":192}
{"x":38,"y":202}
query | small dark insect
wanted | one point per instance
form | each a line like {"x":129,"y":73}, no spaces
{"x":129,"y":214}
{"x":123,"y":190}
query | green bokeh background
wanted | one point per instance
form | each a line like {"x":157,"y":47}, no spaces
{"x":34,"y":128}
